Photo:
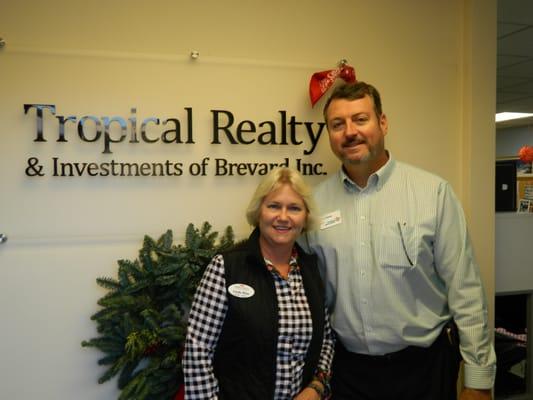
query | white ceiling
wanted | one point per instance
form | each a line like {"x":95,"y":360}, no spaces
{"x":515,"y":56}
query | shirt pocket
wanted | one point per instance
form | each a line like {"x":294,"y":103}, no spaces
{"x":398,"y":245}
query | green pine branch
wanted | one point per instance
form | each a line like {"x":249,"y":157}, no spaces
{"x":141,"y":322}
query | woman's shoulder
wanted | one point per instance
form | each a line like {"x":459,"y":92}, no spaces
{"x":238,"y":247}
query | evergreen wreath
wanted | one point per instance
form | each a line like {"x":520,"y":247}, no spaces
{"x":143,"y":320}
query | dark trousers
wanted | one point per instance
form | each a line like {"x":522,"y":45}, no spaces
{"x":414,"y":373}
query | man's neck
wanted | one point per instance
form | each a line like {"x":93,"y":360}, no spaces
{"x":359,"y":173}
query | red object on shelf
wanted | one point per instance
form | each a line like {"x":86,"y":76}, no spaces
{"x":526,"y":154}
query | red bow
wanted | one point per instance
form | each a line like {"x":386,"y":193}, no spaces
{"x":323,"y":80}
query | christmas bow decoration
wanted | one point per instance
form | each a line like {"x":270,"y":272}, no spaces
{"x":526,"y":154}
{"x":181,"y":393}
{"x":323,"y":80}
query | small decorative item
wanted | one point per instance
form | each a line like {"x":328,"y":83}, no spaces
{"x":523,"y":206}
{"x":526,"y":154}
{"x":321,"y":81}
{"x":524,"y":164}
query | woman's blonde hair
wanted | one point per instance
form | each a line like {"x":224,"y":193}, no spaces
{"x":271,"y":182}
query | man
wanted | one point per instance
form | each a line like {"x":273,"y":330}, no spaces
{"x":404,"y":289}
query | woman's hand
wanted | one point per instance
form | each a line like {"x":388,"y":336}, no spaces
{"x":307,"y":394}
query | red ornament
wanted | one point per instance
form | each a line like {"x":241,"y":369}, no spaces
{"x":152,"y":348}
{"x":181,"y":393}
{"x":323,"y":80}
{"x":526,"y":154}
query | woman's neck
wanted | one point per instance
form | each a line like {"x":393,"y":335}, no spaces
{"x":280,"y":255}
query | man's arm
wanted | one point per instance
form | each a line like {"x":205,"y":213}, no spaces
{"x":456,"y":264}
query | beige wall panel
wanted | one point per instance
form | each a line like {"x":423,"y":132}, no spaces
{"x":103,"y":58}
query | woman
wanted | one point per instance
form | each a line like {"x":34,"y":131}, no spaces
{"x":258,"y":328}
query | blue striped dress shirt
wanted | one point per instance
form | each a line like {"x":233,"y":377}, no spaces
{"x":398,"y":265}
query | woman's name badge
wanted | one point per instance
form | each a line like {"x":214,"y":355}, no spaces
{"x":241,"y":290}
{"x":330,"y":219}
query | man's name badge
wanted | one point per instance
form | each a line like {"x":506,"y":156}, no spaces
{"x":241,"y":290}
{"x":330,"y":219}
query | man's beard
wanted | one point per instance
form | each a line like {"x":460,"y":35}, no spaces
{"x":372,"y":154}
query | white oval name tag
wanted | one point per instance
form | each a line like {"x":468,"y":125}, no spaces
{"x":241,"y":290}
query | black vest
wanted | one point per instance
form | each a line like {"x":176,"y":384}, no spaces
{"x":245,"y":356}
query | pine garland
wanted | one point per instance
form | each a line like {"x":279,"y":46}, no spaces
{"x":143,"y":319}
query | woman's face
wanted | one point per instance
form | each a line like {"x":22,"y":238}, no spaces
{"x":281,"y":219}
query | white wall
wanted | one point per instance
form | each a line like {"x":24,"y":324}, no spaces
{"x":513,"y":253}
{"x":256,"y":58}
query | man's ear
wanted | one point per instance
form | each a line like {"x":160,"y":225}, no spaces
{"x":384,"y":123}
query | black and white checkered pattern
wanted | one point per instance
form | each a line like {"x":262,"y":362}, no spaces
{"x":295,"y":328}
{"x":206,"y":317}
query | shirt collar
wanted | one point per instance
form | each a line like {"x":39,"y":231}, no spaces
{"x":293,"y":262}
{"x":377,"y":179}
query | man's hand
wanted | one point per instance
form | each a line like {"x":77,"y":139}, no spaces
{"x":475,"y":394}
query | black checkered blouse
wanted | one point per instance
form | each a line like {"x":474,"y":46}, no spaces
{"x":295,"y":329}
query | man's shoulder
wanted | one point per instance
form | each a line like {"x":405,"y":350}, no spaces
{"x":331,"y":183}
{"x":421,"y":175}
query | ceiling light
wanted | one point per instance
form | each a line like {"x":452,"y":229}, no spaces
{"x":506,"y":116}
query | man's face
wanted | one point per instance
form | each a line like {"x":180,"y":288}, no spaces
{"x":356,"y":133}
